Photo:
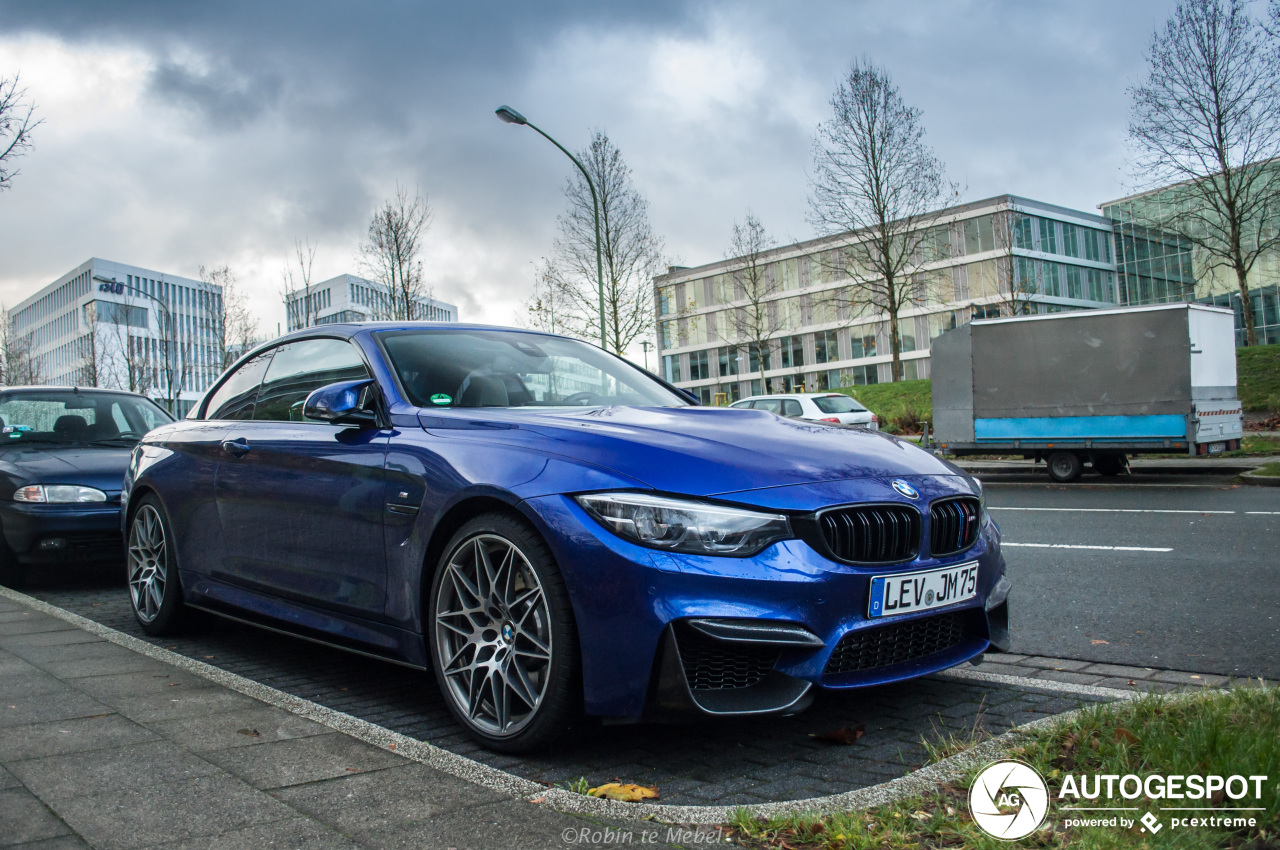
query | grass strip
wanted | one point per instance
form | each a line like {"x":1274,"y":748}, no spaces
{"x":1236,"y":732}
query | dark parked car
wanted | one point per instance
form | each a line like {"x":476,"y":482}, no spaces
{"x":63,"y":454}
{"x":551,"y":529}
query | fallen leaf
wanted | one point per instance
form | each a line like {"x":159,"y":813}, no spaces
{"x":251,"y":733}
{"x":844,"y":735}
{"x":541,"y":799}
{"x":352,"y":769}
{"x":920,"y":816}
{"x":1099,"y":642}
{"x":625,"y":792}
{"x":391,"y":746}
{"x":1122,"y":734}
{"x":1131,"y":681}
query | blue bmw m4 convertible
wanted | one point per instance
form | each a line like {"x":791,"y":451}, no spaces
{"x":555,"y":532}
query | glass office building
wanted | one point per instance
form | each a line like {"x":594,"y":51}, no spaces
{"x":120,"y":326}
{"x":1157,"y":266}
{"x":347,"y":298}
{"x":974,"y":258}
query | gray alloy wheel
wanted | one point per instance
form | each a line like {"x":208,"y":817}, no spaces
{"x":494,"y":637}
{"x":1064,"y":467}
{"x":148,"y":563}
{"x":154,"y":591}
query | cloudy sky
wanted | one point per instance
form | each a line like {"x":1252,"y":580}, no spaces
{"x":179,"y":134}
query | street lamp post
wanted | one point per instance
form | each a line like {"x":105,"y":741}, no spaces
{"x":509,"y":115}
{"x":646,"y":345}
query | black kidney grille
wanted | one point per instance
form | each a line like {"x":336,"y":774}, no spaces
{"x":867,"y":649}
{"x":872,"y":534}
{"x":711,"y":665}
{"x":953,"y":525}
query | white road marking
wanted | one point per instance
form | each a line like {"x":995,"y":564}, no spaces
{"x":1113,"y":510}
{"x":1263,"y":513}
{"x":1075,"y":546}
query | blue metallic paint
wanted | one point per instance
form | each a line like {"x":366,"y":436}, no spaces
{"x":275,"y":544}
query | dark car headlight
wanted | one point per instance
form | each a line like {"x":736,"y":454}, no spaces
{"x":58,"y":494}
{"x":679,"y":525}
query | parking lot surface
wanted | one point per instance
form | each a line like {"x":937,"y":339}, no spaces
{"x":726,"y":762}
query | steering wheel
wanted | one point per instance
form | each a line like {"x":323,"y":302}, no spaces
{"x":582,"y":398}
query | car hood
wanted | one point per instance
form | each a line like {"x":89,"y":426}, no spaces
{"x":701,"y":451}
{"x":102,"y":467}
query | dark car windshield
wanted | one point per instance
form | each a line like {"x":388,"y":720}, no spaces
{"x":68,"y":417}
{"x":837,"y":404}
{"x":478,"y":368}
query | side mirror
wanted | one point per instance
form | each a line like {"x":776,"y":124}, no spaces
{"x":341,"y":404}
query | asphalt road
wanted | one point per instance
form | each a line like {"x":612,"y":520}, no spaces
{"x":1182,"y":577}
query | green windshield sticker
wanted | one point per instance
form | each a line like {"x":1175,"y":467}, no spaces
{"x":441,"y":398}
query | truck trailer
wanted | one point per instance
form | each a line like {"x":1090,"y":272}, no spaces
{"x":1089,"y":386}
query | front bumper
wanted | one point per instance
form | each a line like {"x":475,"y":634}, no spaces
{"x":49,"y":534}
{"x":640,"y":655}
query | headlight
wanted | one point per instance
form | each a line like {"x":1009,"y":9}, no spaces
{"x":677,"y":525}
{"x":58,"y":493}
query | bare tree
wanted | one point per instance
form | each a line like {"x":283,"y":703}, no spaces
{"x":1208,"y":117}
{"x":1015,"y":291}
{"x":19,"y":362}
{"x":543,"y":310}
{"x":389,"y":255}
{"x":632,"y":253}
{"x":299,"y":301}
{"x":877,"y":184}
{"x":127,"y":352}
{"x":97,"y":366}
{"x":235,"y":328}
{"x":16,"y":126}
{"x":755,"y":321}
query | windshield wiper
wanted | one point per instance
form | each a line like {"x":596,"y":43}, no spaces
{"x":113,"y":441}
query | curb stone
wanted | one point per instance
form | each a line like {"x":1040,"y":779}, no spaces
{"x":1252,"y":477}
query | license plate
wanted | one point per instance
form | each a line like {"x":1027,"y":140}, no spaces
{"x":1217,"y":448}
{"x":908,"y":592}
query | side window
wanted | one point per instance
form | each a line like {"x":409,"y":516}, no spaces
{"x":740,"y":404}
{"x":301,"y":367}
{"x":235,"y":398}
{"x":772,"y":405}
{"x":790,"y":407}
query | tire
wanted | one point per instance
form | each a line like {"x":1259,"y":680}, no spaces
{"x":1109,"y":464}
{"x":155,"y":592}
{"x":511,"y":624}
{"x":1064,"y":467}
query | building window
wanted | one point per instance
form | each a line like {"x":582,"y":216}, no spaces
{"x":755,"y":387}
{"x":863,"y":341}
{"x":666,"y":300}
{"x":826,"y":347}
{"x":726,"y":394}
{"x":910,"y":370}
{"x":1048,"y":236}
{"x":671,"y":368}
{"x":728,"y":357}
{"x":791,"y":352}
{"x":978,"y":236}
{"x":906,"y":341}
{"x":1070,"y":240}
{"x":855,"y":376}
{"x":788,"y":276}
{"x":1074,"y":289}
{"x":699,"y":366}
{"x":1022,"y":233}
{"x":753,"y":356}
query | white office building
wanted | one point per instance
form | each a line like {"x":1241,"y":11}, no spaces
{"x":115,"y":325}
{"x":347,"y":298}
{"x":978,"y":260}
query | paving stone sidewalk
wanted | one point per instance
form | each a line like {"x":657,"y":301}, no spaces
{"x":104,"y":747}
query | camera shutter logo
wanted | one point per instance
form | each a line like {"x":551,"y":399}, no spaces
{"x":1009,"y":800}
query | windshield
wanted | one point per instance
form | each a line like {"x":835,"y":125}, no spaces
{"x":68,"y":417}
{"x":448,"y":368}
{"x":837,"y":404}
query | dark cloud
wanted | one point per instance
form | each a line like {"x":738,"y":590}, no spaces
{"x":256,"y":123}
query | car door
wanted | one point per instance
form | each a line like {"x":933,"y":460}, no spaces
{"x":301,"y":501}
{"x":791,"y":408}
{"x":197,"y":527}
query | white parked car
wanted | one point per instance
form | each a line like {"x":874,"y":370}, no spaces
{"x":816,"y":407}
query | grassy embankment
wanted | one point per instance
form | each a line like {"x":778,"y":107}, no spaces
{"x":1232,"y":733}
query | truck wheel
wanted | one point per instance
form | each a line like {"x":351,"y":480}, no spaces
{"x":1064,"y":467}
{"x":1109,"y":464}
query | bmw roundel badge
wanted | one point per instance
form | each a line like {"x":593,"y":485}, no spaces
{"x":905,"y":489}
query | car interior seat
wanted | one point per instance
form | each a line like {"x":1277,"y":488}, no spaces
{"x":71,"y":427}
{"x":483,"y":391}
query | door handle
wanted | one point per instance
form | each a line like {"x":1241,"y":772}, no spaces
{"x":238,"y":447}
